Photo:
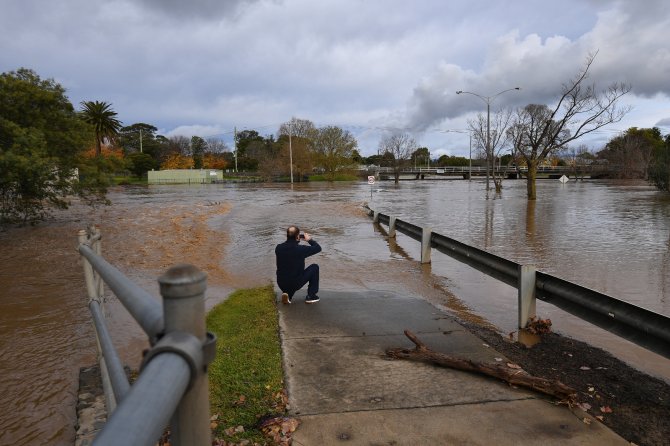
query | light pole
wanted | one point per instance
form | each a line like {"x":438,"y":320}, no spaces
{"x":487,"y":99}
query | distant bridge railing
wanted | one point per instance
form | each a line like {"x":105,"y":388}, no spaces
{"x":172,"y":387}
{"x":591,"y":168}
{"x":641,"y":326}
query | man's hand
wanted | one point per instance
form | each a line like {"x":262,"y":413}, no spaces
{"x":307,"y":237}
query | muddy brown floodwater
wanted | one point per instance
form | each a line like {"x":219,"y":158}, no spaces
{"x":613,"y":237}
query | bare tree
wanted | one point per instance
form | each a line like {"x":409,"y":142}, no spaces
{"x":578,"y":159}
{"x":216,"y":145}
{"x":302,"y":128}
{"x":497,"y":132}
{"x":399,"y":147}
{"x":538,"y":130}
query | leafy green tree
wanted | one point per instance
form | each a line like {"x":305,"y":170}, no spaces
{"x":333,"y":147}
{"x":140,"y":163}
{"x":659,"y":173}
{"x":103,"y":119}
{"x":446,"y":160}
{"x":421,"y":157}
{"x":633,"y":152}
{"x":42,"y":142}
{"x":198,"y":149}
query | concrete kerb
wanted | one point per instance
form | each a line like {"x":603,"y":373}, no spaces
{"x":343,"y":387}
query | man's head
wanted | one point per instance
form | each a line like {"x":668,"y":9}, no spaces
{"x":293,"y":233}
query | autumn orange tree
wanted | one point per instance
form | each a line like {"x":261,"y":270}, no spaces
{"x":177,"y":161}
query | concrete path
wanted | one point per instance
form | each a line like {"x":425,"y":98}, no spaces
{"x":346,"y":393}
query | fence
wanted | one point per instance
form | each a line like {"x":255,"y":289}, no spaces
{"x":641,"y":326}
{"x":172,"y":386}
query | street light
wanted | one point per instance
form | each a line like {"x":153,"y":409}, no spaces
{"x":487,"y":99}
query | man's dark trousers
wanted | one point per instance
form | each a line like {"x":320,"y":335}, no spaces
{"x":311,"y":275}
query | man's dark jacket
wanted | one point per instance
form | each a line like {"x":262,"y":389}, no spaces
{"x":291,"y":257}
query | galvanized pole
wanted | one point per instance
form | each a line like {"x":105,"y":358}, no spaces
{"x":183,"y":288}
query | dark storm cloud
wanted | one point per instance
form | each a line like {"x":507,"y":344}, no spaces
{"x":199,"y":9}
{"x":628,"y":50}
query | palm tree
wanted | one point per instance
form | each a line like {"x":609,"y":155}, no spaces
{"x":102,"y":118}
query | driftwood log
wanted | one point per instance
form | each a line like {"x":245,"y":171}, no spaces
{"x":511,"y":373}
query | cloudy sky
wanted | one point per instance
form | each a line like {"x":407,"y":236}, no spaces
{"x":206,"y":66}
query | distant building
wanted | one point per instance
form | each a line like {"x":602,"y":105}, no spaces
{"x":184,"y":176}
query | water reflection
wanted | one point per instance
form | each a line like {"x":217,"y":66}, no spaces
{"x":606,"y":236}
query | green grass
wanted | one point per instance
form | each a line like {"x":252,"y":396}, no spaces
{"x":127,"y":180}
{"x":245,"y":379}
{"x":337,"y":177}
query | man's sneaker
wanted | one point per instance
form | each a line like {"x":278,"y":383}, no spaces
{"x":312,"y":299}
{"x":285,"y":299}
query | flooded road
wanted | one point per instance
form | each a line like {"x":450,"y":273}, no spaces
{"x":608,"y":236}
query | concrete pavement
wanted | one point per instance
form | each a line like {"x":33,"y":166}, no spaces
{"x":347,"y":393}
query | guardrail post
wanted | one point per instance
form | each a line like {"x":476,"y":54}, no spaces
{"x":392,"y":227}
{"x":375,"y":217}
{"x":526,"y":294}
{"x":183,"y":290}
{"x":425,"y":245}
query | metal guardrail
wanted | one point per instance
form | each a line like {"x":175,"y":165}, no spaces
{"x":172,"y":387}
{"x":641,"y":326}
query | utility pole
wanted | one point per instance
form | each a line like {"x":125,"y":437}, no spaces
{"x":140,"y":140}
{"x":235,"y":142}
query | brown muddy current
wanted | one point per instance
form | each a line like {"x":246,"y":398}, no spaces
{"x":613,"y":237}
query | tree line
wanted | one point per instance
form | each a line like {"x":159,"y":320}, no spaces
{"x":50,"y":151}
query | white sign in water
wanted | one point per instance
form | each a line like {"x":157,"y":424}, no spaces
{"x":371,"y":179}
{"x":563,"y":179}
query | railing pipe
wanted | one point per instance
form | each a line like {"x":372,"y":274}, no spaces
{"x":117,"y":375}
{"x":139,"y":303}
{"x":144,"y":414}
{"x":183,"y":288}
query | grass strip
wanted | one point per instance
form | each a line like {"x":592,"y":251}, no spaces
{"x":245,"y":380}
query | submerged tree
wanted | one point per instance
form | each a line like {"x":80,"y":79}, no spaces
{"x":398,"y":148}
{"x":495,"y":130}
{"x":538,"y":130}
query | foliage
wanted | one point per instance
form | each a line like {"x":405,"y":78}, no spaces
{"x":659,"y":173}
{"x":198,"y":148}
{"x":140,"y":163}
{"x":103,"y":119}
{"x":421,"y":157}
{"x":446,"y":160}
{"x":177,"y":161}
{"x":214,"y":161}
{"x":397,"y":149}
{"x":538,"y":131}
{"x":42,"y":141}
{"x":336,"y":177}
{"x":633,"y":152}
{"x":246,"y":379}
{"x":333,"y":147}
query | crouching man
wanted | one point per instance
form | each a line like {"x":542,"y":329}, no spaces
{"x":291,"y":272}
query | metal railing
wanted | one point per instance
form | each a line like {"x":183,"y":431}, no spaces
{"x":172,"y":387}
{"x":641,"y":326}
